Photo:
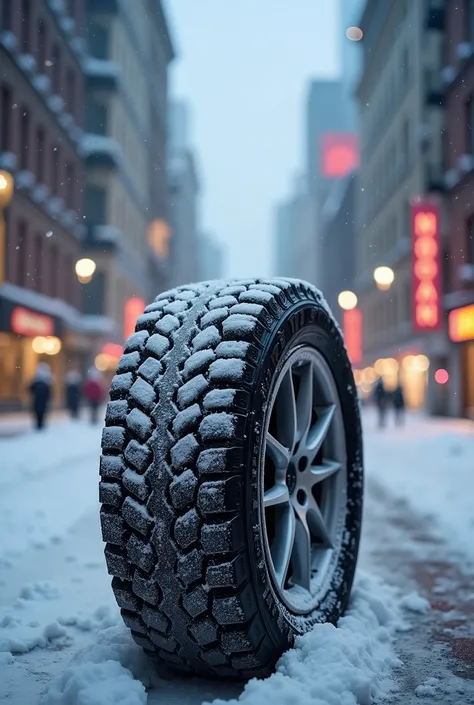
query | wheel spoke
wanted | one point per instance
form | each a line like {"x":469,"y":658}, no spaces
{"x":317,"y":524}
{"x":304,"y":401}
{"x":278,"y":453}
{"x":278,"y":494}
{"x":328,"y":468}
{"x":301,"y":556}
{"x":286,"y":412}
{"x":282,"y":546}
{"x":318,"y":432}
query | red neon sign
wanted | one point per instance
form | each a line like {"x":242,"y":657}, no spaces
{"x":25,"y":322}
{"x":133,"y":308}
{"x":113,"y":350}
{"x":352,"y":328}
{"x":340,"y":154}
{"x":426,"y":267}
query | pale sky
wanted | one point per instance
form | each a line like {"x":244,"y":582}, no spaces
{"x":244,"y":66}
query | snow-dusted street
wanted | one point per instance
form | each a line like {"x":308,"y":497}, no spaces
{"x":408,"y":636}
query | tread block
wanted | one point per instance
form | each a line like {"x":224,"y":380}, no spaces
{"x":155,"y":619}
{"x":235,"y":642}
{"x":136,"y":515}
{"x":230,"y":370}
{"x":136,"y":342}
{"x":124,"y":595}
{"x":150,"y":369}
{"x":112,"y":466}
{"x":197,"y":362}
{"x":176,"y":307}
{"x":148,"y":319}
{"x":229,"y":574}
{"x":220,"y":460}
{"x":204,"y":630}
{"x":256,"y":310}
{"x":141,"y":553}
{"x":135,"y":484}
{"x":143,"y":394}
{"x":117,"y":564}
{"x":239,"y":325}
{"x":120,"y":385}
{"x":191,"y":567}
{"x":218,"y":427}
{"x":222,"y":538}
{"x":196,"y":602}
{"x":214,"y":657}
{"x":138,"y":455}
{"x":258,"y":296}
{"x":134,"y":622}
{"x":183,"y":489}
{"x":113,"y":438}
{"x":192,"y":391}
{"x":186,"y":528}
{"x":113,"y":528}
{"x":220,"y":496}
{"x":146,"y":588}
{"x":185,"y":420}
{"x":110,"y":493}
{"x":245,"y":661}
{"x":226,"y":300}
{"x":116,"y":411}
{"x":232,"y":289}
{"x":217,"y":315}
{"x":228,"y":610}
{"x":239,"y":349}
{"x":139,"y":423}
{"x":226,"y":399}
{"x":167,"y":324}
{"x":128,"y":362}
{"x":163,"y":642}
{"x":207,"y":338}
{"x":184,"y":452}
{"x":143,"y":641}
{"x":158,"y":345}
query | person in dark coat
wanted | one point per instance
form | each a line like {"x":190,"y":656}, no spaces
{"x":398,"y":401}
{"x":73,"y":392}
{"x":40,"y":390}
{"x":94,"y":392}
{"x":380,"y":396}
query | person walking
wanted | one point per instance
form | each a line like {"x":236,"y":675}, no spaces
{"x":380,"y":397}
{"x":398,"y":401}
{"x":94,"y":392}
{"x":40,"y":390}
{"x":73,"y":385}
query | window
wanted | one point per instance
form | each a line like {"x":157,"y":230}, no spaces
{"x":24,"y":130}
{"x":6,"y":17}
{"x":469,"y":118}
{"x":40,"y":143}
{"x":41,"y":46}
{"x":470,"y":241}
{"x":96,"y":118}
{"x":5,"y":117}
{"x":38,"y":262}
{"x":96,"y":206}
{"x":22,"y":272}
{"x":98,"y":41}
{"x":71,"y":91}
{"x":56,"y":59}
{"x":70,"y":185}
{"x":25,"y":26}
{"x":55,"y":159}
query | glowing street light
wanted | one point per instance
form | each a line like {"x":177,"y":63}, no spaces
{"x":6,"y":193}
{"x":347,"y":300}
{"x":85,"y":268}
{"x":384,"y":277}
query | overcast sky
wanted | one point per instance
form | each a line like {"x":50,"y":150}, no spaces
{"x":244,"y":68}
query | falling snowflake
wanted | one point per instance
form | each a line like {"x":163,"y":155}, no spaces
{"x":48,"y":62}
{"x":49,"y":233}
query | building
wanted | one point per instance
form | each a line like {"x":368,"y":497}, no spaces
{"x":351,"y":55}
{"x":210,"y":258}
{"x":124,"y":147}
{"x":401,"y":119}
{"x":41,"y":121}
{"x":183,"y":184}
{"x":458,"y":21}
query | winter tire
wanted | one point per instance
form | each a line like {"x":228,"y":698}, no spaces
{"x":231,"y":475}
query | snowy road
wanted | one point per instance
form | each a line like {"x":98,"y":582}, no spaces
{"x":404,"y":644}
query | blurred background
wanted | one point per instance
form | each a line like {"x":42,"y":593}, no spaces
{"x":145,"y":145}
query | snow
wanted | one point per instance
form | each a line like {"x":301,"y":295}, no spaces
{"x":415,"y":603}
{"x":227,"y":370}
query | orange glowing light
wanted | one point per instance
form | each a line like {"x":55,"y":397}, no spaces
{"x":133,"y":308}
{"x":426,"y":267}
{"x":461,"y":324}
{"x":158,"y":237}
{"x":352,"y":328}
{"x":339,"y":154}
{"x":112,"y":350}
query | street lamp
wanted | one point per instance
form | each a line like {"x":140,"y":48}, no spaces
{"x":6,"y":193}
{"x":85,"y":268}
{"x":347,"y":300}
{"x":384,"y":277}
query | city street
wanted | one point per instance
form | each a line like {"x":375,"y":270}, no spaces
{"x":409,"y":633}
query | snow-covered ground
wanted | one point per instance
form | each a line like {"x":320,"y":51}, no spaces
{"x":61,"y":638}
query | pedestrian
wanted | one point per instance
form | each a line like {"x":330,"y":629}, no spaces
{"x":94,"y":392}
{"x":398,"y":401}
{"x":73,"y":385}
{"x":380,"y":396}
{"x":40,"y":390}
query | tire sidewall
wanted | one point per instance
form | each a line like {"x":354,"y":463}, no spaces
{"x":306,"y":323}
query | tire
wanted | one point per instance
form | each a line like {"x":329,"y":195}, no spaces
{"x":185,"y":457}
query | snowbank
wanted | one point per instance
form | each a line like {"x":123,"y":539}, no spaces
{"x":347,"y":665}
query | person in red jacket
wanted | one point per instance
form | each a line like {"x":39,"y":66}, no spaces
{"x":94,"y":392}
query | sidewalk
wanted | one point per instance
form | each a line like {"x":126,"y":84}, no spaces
{"x":19,"y":422}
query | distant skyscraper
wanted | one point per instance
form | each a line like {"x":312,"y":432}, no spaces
{"x":210,"y":258}
{"x":351,"y":54}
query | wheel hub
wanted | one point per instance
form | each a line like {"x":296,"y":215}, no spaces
{"x":291,"y":478}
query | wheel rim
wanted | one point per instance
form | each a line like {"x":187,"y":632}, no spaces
{"x":303,"y":493}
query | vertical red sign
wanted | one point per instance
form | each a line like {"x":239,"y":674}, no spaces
{"x":133,"y":308}
{"x":352,"y":329}
{"x":426,"y":267}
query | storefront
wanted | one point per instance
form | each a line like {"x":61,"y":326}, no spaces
{"x":410,"y":369}
{"x":461,"y":332}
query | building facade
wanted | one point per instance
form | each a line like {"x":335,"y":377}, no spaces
{"x":210,"y":258}
{"x":458,"y":21}
{"x":401,"y":121}
{"x":41,"y":120}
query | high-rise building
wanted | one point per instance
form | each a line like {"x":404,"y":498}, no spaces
{"x":41,"y":120}
{"x":126,"y":194}
{"x":210,"y":258}
{"x":351,"y":53}
{"x":401,"y":164}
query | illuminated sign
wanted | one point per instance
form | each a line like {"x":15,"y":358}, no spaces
{"x":112,"y":350}
{"x":339,"y":154}
{"x":25,"y":322}
{"x":426,"y":267}
{"x":461,"y":324}
{"x":158,"y":237}
{"x":352,"y":328}
{"x":133,"y":308}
